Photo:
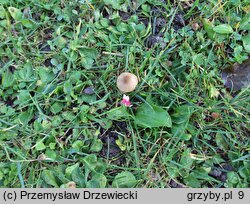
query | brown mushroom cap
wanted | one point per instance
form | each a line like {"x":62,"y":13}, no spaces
{"x":126,"y":82}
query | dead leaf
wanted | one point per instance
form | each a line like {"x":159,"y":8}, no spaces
{"x":237,"y":76}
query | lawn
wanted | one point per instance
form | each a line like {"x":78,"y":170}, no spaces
{"x":62,"y":123}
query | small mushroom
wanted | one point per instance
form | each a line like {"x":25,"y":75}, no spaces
{"x":126,"y":82}
{"x":71,"y":184}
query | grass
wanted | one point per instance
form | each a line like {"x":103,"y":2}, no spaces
{"x":61,"y":120}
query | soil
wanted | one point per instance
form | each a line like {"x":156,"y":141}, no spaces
{"x":174,"y":184}
{"x":237,"y":76}
{"x":12,"y":69}
{"x":47,"y":63}
{"x":10,"y":101}
{"x":110,"y":149}
{"x":220,"y":173}
{"x":179,"y":21}
{"x":124,"y":15}
{"x":44,"y":47}
{"x":157,"y":25}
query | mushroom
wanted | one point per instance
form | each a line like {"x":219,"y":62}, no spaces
{"x":126,"y":82}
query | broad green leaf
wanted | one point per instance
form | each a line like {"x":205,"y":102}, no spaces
{"x":192,"y":181}
{"x":124,"y":179}
{"x":68,"y":87}
{"x":59,"y":172}
{"x":88,"y":98}
{"x":27,"y":23}
{"x":52,"y":145}
{"x":197,"y":177}
{"x":223,"y":29}
{"x":152,"y":116}
{"x":70,"y":169}
{"x":78,"y":177}
{"x":56,"y":120}
{"x":2,"y":12}
{"x":1,"y":175}
{"x":56,"y":107}
{"x":217,"y":159}
{"x":202,"y":173}
{"x":122,"y":27}
{"x":232,"y":177}
{"x":140,"y":27}
{"x":199,"y":59}
{"x":88,"y":52}
{"x":115,"y":4}
{"x":40,"y":146}
{"x":90,"y":161}
{"x":238,"y":54}
{"x":96,"y":146}
{"x":26,"y":72}
{"x":245,"y":22}
{"x":46,"y":124}
{"x":7,"y":79}
{"x":67,"y":115}
{"x":78,"y":144}
{"x":178,"y":130}
{"x":117,"y":113}
{"x":26,"y":116}
{"x":45,"y":74}
{"x":7,"y":135}
{"x":181,"y":114}
{"x":4,"y":23}
{"x":244,"y":172}
{"x":75,"y":77}
{"x":121,"y":145}
{"x":87,"y":62}
{"x":97,"y":181}
{"x":146,"y":8}
{"x":246,"y":42}
{"x":105,"y":123}
{"x":172,"y":170}
{"x":49,"y":177}
{"x":105,"y":22}
{"x":100,"y":166}
{"x":50,"y":154}
{"x":15,"y":13}
{"x":4,"y":2}
{"x":60,"y":42}
{"x":185,"y":136}
{"x":208,"y":26}
{"x":213,"y":92}
{"x":221,"y":141}
{"x":186,"y":160}
{"x":84,"y":109}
